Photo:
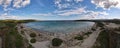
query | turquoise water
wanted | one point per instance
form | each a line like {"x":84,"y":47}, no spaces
{"x":60,"y":26}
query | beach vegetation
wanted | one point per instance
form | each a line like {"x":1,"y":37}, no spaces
{"x":30,"y":46}
{"x":33,"y":40}
{"x":79,"y":37}
{"x":88,"y":33}
{"x":93,"y":29}
{"x":32,"y":34}
{"x":100,"y":24}
{"x":10,"y":35}
{"x":22,"y":32}
{"x":102,"y":40}
{"x":57,"y":42}
{"x":117,"y":29}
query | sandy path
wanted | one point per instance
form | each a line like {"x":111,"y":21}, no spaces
{"x":43,"y":44}
{"x":89,"y":42}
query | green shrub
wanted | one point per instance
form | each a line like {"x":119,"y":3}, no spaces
{"x":33,"y":40}
{"x":93,"y":29}
{"x":30,"y":46}
{"x":22,"y":32}
{"x":32,"y":35}
{"x":88,"y":33}
{"x":56,"y":42}
{"x":79,"y":37}
{"x":100,"y":24}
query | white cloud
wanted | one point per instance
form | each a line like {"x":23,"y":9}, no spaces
{"x":17,"y":3}
{"x":9,"y":5}
{"x":94,"y":15}
{"x":71,"y":12}
{"x":106,"y":4}
{"x":5,"y":3}
{"x":42,"y":14}
{"x":82,"y":13}
{"x":14,"y":3}
{"x":8,"y":17}
{"x":78,"y":1}
{"x":1,"y":1}
{"x":61,"y":4}
{"x":20,"y":3}
{"x":25,"y":2}
{"x":4,"y":16}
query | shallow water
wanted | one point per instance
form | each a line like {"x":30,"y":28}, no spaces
{"x":60,"y":26}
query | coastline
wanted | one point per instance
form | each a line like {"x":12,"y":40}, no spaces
{"x":68,"y":38}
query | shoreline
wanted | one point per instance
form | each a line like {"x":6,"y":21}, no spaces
{"x":68,"y":38}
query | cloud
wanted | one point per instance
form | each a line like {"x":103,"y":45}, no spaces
{"x":94,"y":15}
{"x":20,"y":3}
{"x":5,"y":16}
{"x":1,"y":1}
{"x":17,"y":3}
{"x":5,"y":3}
{"x":8,"y":17}
{"x":42,"y":14}
{"x":82,"y":12}
{"x":9,"y":5}
{"x":71,"y":12}
{"x":14,"y":3}
{"x":78,"y":1}
{"x":61,"y":4}
{"x":106,"y":4}
{"x":25,"y":2}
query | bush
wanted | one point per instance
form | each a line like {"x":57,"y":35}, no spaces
{"x":93,"y":29}
{"x":88,"y":33}
{"x":33,"y":40}
{"x":22,"y":32}
{"x":100,"y":24}
{"x":79,"y":37}
{"x":30,"y":46}
{"x":56,"y":42}
{"x":32,"y":35}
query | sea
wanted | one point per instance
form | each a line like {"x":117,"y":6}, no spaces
{"x":60,"y":26}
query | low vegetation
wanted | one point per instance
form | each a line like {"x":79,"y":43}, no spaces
{"x":33,"y":35}
{"x":11,"y":37}
{"x":117,"y":29}
{"x":57,"y":42}
{"x":88,"y":33}
{"x":79,"y":37}
{"x":22,"y":32}
{"x":93,"y":29}
{"x":102,"y":40}
{"x":30,"y":46}
{"x":33,"y":40}
{"x":100,"y":24}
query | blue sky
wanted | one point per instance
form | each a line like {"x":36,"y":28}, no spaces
{"x":59,"y":9}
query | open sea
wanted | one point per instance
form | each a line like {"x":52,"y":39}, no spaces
{"x":60,"y":26}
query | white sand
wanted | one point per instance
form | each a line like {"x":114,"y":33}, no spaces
{"x":43,"y":44}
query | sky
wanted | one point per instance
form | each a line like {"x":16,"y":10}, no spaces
{"x":59,"y":9}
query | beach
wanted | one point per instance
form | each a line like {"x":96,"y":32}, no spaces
{"x":45,"y":38}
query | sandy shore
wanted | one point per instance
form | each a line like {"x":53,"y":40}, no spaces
{"x":44,"y":38}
